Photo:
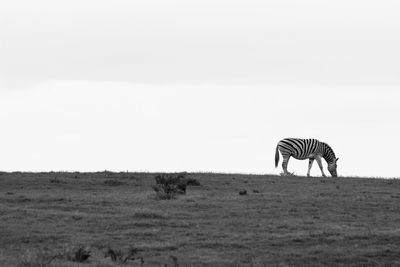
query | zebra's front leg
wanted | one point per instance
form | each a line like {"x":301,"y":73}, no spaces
{"x":310,"y":163}
{"x":320,"y":165}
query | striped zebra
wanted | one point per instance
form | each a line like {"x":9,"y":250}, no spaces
{"x":303,"y":149}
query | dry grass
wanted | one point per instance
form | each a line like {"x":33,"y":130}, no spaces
{"x":288,"y":220}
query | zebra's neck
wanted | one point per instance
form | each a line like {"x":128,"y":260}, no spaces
{"x":328,"y":155}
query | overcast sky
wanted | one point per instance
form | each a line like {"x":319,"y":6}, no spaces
{"x":198,"y":85}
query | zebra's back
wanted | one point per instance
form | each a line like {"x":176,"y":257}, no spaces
{"x":299,"y":148}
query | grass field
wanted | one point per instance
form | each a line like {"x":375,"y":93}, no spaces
{"x":281,"y":221}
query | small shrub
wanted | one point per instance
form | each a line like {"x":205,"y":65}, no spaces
{"x":115,"y":255}
{"x":79,"y":254}
{"x":121,"y":257}
{"x":169,"y":185}
{"x":243,"y":192}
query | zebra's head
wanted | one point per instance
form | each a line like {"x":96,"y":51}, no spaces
{"x":332,"y":167}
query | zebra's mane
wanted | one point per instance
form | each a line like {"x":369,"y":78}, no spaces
{"x":329,"y":155}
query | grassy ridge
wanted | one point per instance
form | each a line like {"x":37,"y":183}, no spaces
{"x":280,"y":221}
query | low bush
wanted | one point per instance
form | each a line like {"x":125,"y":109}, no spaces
{"x":79,"y":254}
{"x":169,"y":185}
{"x":119,"y":256}
{"x":243,"y":192}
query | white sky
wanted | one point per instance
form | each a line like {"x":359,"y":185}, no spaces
{"x":198,"y":85}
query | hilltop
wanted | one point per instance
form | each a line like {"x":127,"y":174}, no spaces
{"x":292,"y":221}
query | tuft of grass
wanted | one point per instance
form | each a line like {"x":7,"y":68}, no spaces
{"x":117,"y":255}
{"x":79,"y":254}
{"x":243,"y":192}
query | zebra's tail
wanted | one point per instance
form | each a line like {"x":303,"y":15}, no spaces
{"x":276,"y":157}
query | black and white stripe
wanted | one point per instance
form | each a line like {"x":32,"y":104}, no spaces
{"x":303,"y":149}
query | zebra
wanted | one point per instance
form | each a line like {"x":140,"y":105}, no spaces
{"x":303,"y":149}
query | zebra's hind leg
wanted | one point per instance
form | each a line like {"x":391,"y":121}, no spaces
{"x":310,"y":163}
{"x":285,"y":163}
